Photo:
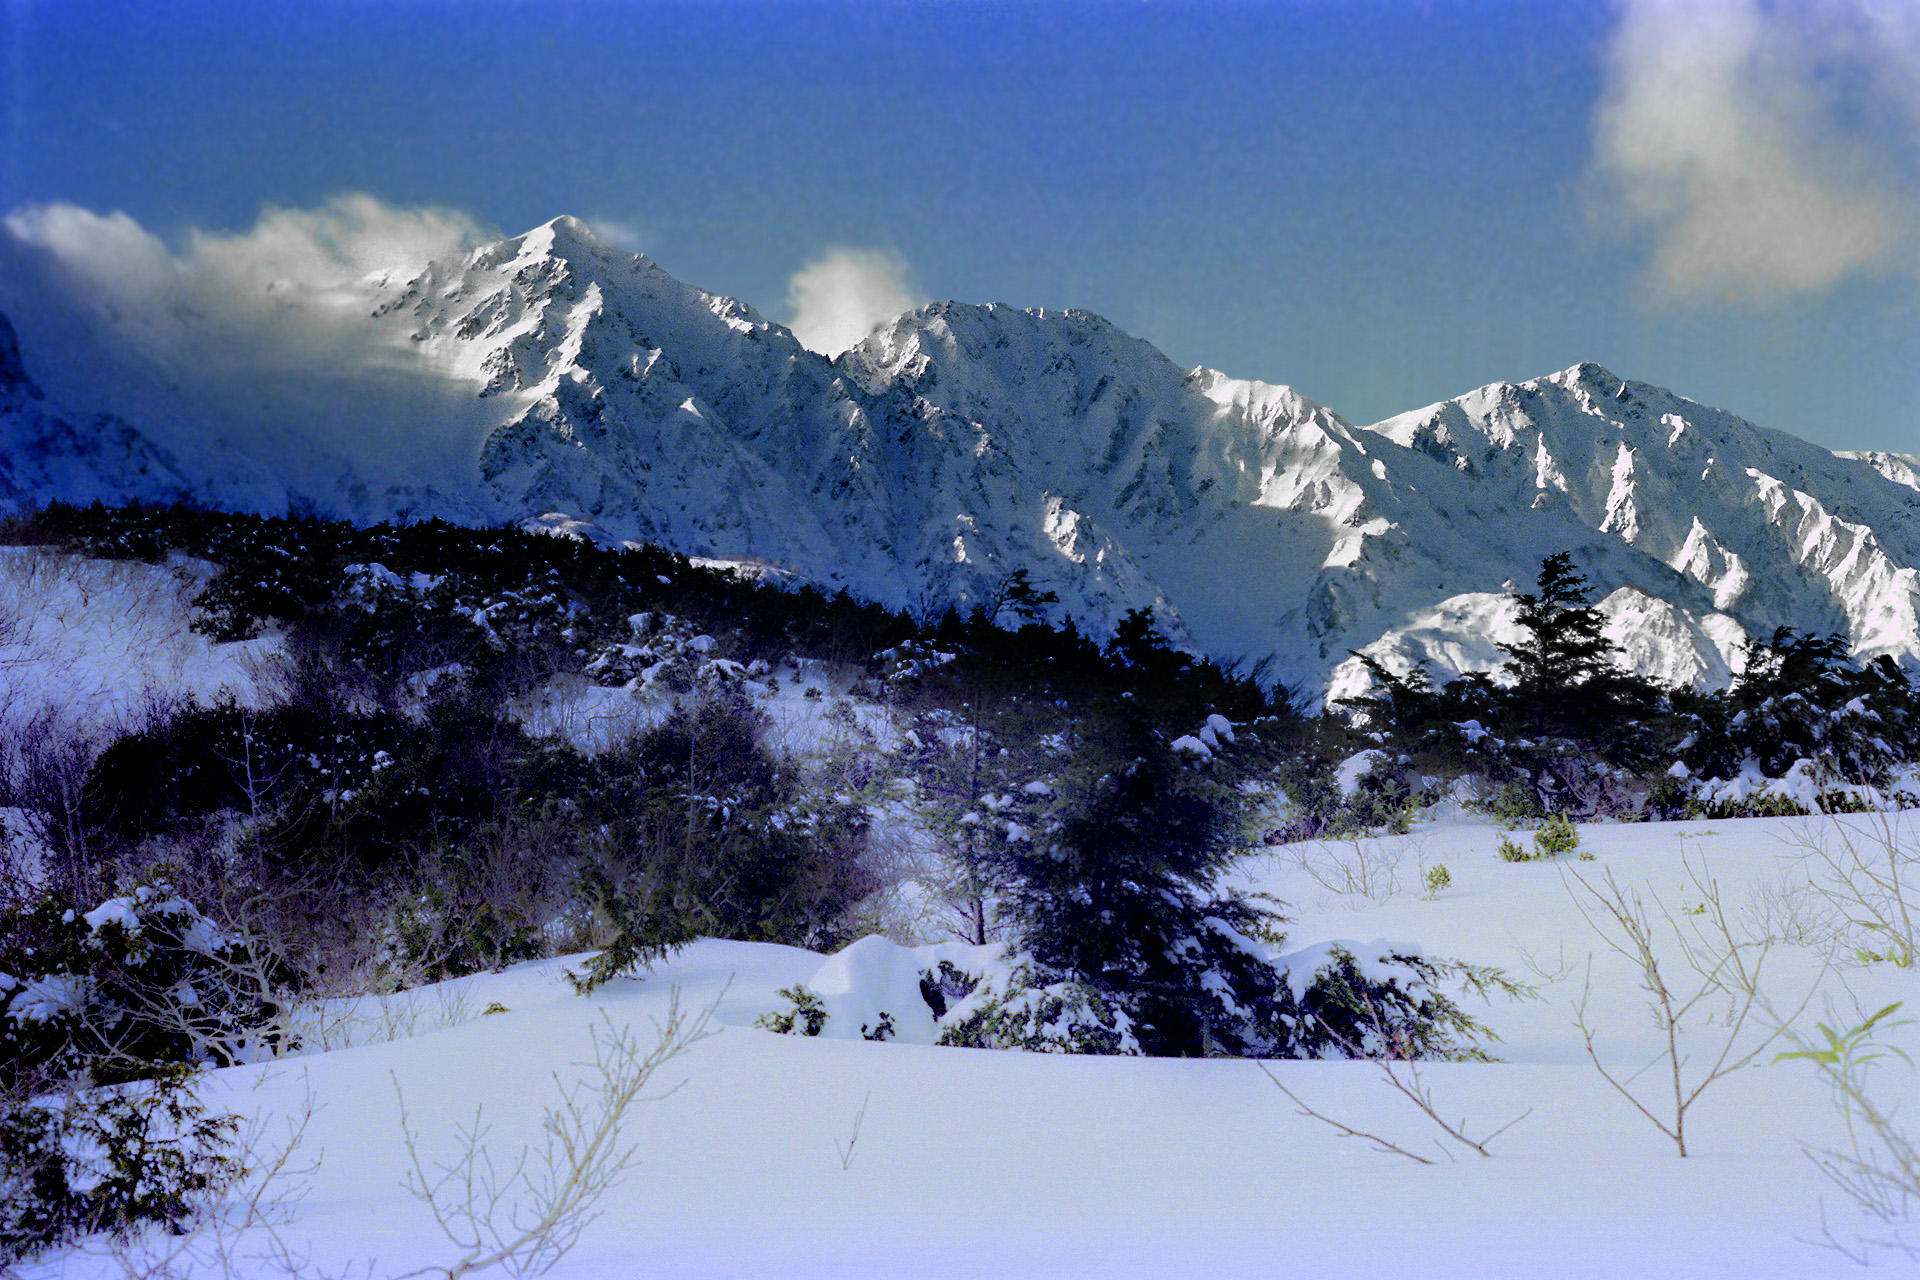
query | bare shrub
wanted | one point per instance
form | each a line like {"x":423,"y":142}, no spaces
{"x":379,"y":1017}
{"x":1403,"y":1076}
{"x":44,"y":767}
{"x":1703,"y":981}
{"x":494,"y":898}
{"x":848,"y":1149}
{"x":1788,"y":909}
{"x":524,"y":1217}
{"x":1358,"y":866}
{"x":1866,"y":869}
{"x":917,"y":899}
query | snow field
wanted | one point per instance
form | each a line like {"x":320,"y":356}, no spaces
{"x":973,"y":1162}
{"x":99,"y":643}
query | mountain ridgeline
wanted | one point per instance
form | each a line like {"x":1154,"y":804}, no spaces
{"x":585,"y":389}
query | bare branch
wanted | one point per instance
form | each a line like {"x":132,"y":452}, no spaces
{"x":1345,"y":1130}
{"x":846,"y":1150}
{"x":525,"y":1218}
{"x":1724,"y":966}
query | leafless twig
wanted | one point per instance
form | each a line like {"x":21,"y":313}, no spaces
{"x":1726,"y":971}
{"x":846,"y":1150}
{"x":1341,"y":1127}
{"x":526,"y":1217}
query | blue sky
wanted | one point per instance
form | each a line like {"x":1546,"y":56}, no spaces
{"x":1380,"y":203}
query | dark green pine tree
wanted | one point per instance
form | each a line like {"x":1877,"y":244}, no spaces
{"x":1570,"y":695}
{"x":1563,"y":655}
{"x":1115,"y":887}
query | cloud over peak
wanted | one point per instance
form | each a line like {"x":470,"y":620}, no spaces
{"x":1767,"y":148}
{"x":839,"y":297}
{"x":271,"y":294}
{"x":257,"y":334}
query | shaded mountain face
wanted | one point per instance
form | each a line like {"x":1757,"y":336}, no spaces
{"x":44,"y":453}
{"x":586,"y":387}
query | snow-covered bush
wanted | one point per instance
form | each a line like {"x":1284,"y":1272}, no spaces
{"x":1344,"y":1000}
{"x":666,"y":654}
{"x":104,"y":1016}
{"x":1369,"y":790}
{"x":1337,"y":999}
{"x":804,"y":1014}
{"x":1798,"y":698}
{"x":109,"y":1159}
{"x":141,"y":981}
{"x":1024,"y":1007}
{"x":978,"y":997}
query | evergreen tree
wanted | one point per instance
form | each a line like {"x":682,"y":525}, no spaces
{"x":1142,"y":656}
{"x":1562,"y":653}
{"x":1799,"y":698}
{"x":1109,"y":880}
{"x":1578,"y":713}
{"x":1404,"y":711}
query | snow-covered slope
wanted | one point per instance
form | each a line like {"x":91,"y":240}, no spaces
{"x":647,"y":407}
{"x":838,"y":1157}
{"x":99,"y":647}
{"x":1765,"y":529}
{"x":45,"y":452}
{"x":958,"y":443}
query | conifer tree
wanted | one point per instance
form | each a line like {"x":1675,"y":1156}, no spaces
{"x":1564,"y":650}
{"x":1114,"y":886}
{"x":1581,"y":710}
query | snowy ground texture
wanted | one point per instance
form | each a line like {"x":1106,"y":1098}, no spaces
{"x":791,"y":1156}
{"x":100,"y":645}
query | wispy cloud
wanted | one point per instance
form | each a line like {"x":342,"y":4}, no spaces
{"x":1768,"y":148}
{"x":262,"y":334}
{"x":623,"y":233}
{"x":839,"y":297}
{"x":292,"y":287}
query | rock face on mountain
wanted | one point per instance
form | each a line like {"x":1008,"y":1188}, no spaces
{"x":1765,"y":530}
{"x":44,"y":453}
{"x":958,"y":443}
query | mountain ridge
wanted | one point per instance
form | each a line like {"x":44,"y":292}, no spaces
{"x":586,"y":387}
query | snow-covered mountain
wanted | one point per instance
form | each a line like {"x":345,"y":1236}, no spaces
{"x":46,"y":453}
{"x":585,"y":385}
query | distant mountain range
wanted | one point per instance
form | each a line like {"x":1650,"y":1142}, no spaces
{"x":587,"y":389}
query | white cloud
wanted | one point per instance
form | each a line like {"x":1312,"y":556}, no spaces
{"x":839,"y":297}
{"x":260,"y":335}
{"x":622,"y":233}
{"x":338,"y":245}
{"x":293,"y":287}
{"x":1769,"y":148}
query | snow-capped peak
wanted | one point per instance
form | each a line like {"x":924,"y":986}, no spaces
{"x":960,"y":442}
